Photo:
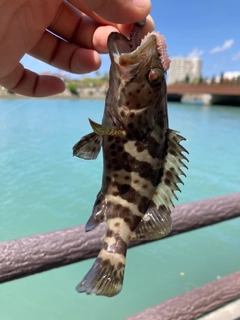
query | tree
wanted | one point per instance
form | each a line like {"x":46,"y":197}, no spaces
{"x":72,"y":87}
{"x":222,"y":77}
{"x":200,"y":80}
{"x":187,"y":79}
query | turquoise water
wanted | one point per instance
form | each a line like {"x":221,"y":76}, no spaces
{"x":44,"y":188}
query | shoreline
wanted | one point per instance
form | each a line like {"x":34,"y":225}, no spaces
{"x":95,"y":95}
{"x":99,"y":93}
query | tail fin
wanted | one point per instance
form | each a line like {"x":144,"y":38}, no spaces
{"x":106,"y":275}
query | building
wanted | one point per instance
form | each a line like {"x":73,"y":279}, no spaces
{"x":183,"y":68}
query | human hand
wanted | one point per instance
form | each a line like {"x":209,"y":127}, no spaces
{"x":68,"y":35}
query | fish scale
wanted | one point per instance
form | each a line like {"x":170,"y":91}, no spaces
{"x":142,"y":157}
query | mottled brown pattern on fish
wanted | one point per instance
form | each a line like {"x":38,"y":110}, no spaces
{"x":141,"y":165}
{"x":119,"y":246}
{"x":128,"y":193}
{"x":129,"y":163}
{"x":124,"y":213}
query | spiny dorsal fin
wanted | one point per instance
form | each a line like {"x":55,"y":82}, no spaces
{"x":156,"y":223}
{"x":104,"y":131}
{"x":88,"y":147}
{"x":173,"y":162}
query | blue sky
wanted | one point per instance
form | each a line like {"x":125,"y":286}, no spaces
{"x":208,"y":29}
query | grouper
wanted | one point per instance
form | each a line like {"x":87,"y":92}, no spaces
{"x":142,"y":157}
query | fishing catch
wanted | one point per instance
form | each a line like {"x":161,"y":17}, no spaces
{"x":142,"y":157}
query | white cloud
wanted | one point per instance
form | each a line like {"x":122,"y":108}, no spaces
{"x":231,"y":74}
{"x":236,"y":56}
{"x":226,"y":45}
{"x":195,"y":53}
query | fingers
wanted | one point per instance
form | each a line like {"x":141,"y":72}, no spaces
{"x":79,"y":29}
{"x":69,"y":21}
{"x":85,"y":28}
{"x":116,"y":11}
{"x":65,"y":56}
{"x":147,"y":27}
{"x":82,"y":34}
{"x":77,"y":58}
{"x":101,"y":34}
{"x":83,"y":31}
{"x":28,"y":83}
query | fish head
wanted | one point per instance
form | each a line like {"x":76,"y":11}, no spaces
{"x":137,"y":75}
{"x":138,"y":66}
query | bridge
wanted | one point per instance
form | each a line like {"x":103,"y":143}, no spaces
{"x":216,"y":93}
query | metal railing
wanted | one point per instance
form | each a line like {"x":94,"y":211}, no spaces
{"x":30,"y":255}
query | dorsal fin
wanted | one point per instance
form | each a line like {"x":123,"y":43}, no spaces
{"x":156,"y":223}
{"x":173,"y":162}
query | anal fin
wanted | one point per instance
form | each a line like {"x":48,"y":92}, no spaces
{"x":155,"y":224}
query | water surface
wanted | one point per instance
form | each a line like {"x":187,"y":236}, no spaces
{"x":43,"y":188}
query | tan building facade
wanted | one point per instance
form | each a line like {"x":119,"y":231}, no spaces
{"x":182,"y":68}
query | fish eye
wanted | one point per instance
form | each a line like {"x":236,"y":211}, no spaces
{"x":155,"y":77}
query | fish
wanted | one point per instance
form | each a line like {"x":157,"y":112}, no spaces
{"x":142,"y":157}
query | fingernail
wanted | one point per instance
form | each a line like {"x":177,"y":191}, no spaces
{"x":141,"y":23}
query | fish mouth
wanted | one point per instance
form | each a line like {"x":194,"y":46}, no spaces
{"x":126,"y":52}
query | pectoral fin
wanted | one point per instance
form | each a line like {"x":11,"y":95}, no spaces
{"x":88,"y":147}
{"x":104,"y":131}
